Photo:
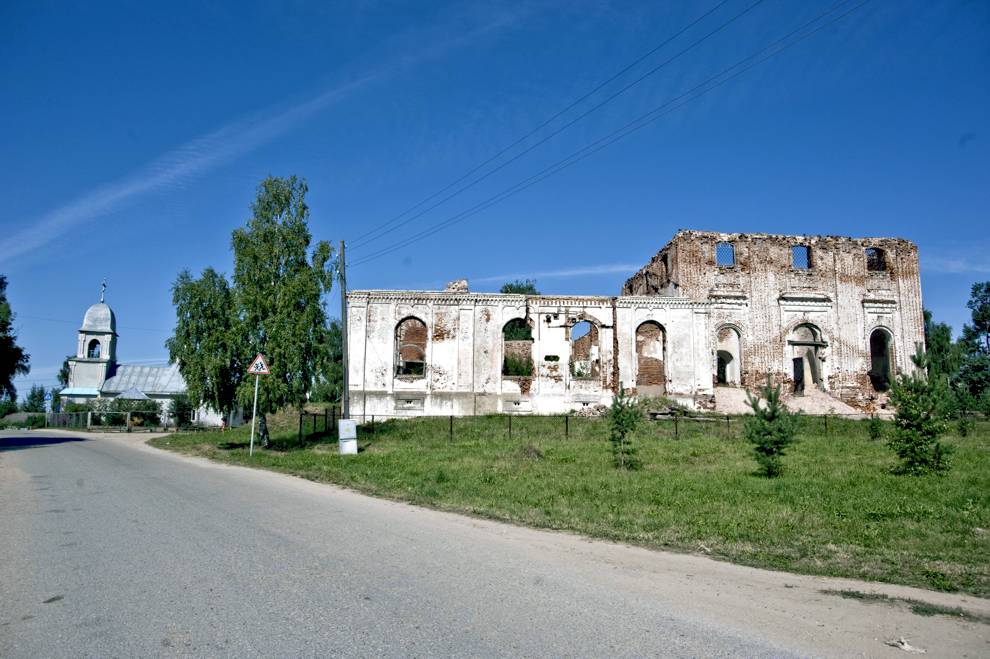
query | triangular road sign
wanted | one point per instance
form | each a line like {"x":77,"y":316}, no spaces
{"x":259,"y":366}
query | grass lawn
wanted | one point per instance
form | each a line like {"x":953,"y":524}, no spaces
{"x":837,"y":510}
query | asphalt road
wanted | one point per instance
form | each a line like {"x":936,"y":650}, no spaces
{"x":111,"y":548}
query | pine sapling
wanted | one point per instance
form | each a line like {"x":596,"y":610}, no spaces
{"x":623,"y":418}
{"x":923,"y":404}
{"x":771,"y":429}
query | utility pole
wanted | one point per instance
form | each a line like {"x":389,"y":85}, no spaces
{"x":345,"y":398}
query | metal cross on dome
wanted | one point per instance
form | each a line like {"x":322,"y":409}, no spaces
{"x":103,"y":288}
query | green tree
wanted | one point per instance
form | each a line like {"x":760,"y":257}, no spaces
{"x":180,"y":410}
{"x":978,"y":334}
{"x":944,"y":355}
{"x":35,"y":400}
{"x":63,"y":373}
{"x":973,"y":376}
{"x":279,"y":283}
{"x":771,"y":429}
{"x":623,"y":418}
{"x":520,"y":286}
{"x":923,"y":404}
{"x":329,"y":385}
{"x":13,"y":360}
{"x":205,"y":343}
{"x":7,"y":406}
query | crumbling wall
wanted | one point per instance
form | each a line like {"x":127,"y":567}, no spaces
{"x":767,"y":292}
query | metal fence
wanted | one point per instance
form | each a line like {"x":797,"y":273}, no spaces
{"x":125,"y":421}
{"x":318,"y":426}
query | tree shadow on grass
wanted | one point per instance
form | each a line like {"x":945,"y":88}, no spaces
{"x":232,"y":446}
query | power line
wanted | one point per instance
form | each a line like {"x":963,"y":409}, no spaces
{"x":76,"y":322}
{"x":640,"y":122}
{"x":383,"y":229}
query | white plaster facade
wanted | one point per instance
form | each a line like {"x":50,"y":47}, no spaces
{"x":464,"y":351}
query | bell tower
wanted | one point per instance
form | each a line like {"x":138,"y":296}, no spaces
{"x":96,"y":348}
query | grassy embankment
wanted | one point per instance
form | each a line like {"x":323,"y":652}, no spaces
{"x":837,"y":510}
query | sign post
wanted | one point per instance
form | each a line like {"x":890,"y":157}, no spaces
{"x":258,"y":368}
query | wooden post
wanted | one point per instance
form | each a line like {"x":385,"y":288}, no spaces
{"x":372,"y":424}
{"x":826,"y":424}
{"x":567,"y":429}
{"x":676,"y":431}
{"x":450,"y":436}
{"x":300,"y":428}
{"x":510,"y":426}
{"x":326,"y":426}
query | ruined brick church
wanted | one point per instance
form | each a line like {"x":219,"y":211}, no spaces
{"x":711,"y":312}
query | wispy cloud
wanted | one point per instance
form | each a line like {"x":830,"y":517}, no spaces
{"x":956,"y":265}
{"x":577,"y":271}
{"x":184,"y":164}
{"x":174,"y":169}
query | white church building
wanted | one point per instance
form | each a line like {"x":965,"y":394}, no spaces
{"x":94,"y":372}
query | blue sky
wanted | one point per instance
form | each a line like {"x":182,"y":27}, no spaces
{"x":133,"y":138}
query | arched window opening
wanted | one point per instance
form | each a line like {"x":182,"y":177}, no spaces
{"x":93,"y":351}
{"x":585,"y":353}
{"x":876,"y":260}
{"x":410,"y":348}
{"x":728,"y":357}
{"x":517,"y":349}
{"x":651,"y":378}
{"x":806,"y":345}
{"x":880,"y":360}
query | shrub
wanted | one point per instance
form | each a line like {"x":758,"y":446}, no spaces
{"x":771,"y":429}
{"x":180,"y":409}
{"x":623,"y":417}
{"x":876,"y":429}
{"x":964,"y":426}
{"x":922,"y":409}
{"x":517,"y":366}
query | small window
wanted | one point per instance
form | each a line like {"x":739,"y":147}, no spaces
{"x":876,"y":261}
{"x":94,"y":349}
{"x":725,"y":255}
{"x":801,"y":257}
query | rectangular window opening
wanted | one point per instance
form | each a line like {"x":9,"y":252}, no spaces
{"x":801,"y":257}
{"x":875,"y":260}
{"x":725,"y":255}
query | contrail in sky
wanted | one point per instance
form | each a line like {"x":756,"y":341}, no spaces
{"x":209,"y":151}
{"x":174,"y":168}
{"x":955,"y":265}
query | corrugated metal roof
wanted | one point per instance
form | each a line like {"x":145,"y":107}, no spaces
{"x":132,"y":394}
{"x":146,"y":379}
{"x":79,"y":391}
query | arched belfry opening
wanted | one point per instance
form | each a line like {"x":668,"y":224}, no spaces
{"x":880,"y":359}
{"x":651,"y":352}
{"x":728,"y":357}
{"x":93,"y":350}
{"x":806,"y":346}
